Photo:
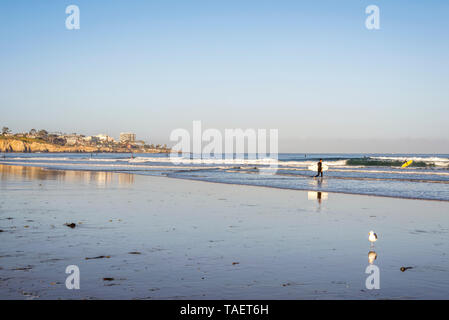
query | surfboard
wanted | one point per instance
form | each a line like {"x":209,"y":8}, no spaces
{"x":314,"y":167}
{"x":407,"y":164}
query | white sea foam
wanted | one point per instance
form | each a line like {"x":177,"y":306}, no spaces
{"x":103,"y":160}
{"x":404,"y":172}
{"x":39,"y":158}
{"x":207,"y":161}
{"x":309,"y":163}
{"x":218,"y":161}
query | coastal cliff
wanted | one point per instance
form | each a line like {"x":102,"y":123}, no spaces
{"x":30,"y":145}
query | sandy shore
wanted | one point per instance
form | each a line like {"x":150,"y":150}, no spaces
{"x":165,"y":238}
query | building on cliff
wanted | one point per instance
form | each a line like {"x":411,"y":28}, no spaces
{"x":73,"y":139}
{"x":91,"y":139}
{"x":104,"y":138}
{"x":127,"y":137}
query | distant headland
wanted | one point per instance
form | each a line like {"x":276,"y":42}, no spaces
{"x":43,"y":141}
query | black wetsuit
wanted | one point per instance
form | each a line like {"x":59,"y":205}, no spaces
{"x":320,"y":169}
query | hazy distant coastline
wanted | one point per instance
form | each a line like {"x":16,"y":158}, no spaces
{"x":19,"y":145}
{"x":44,"y":141}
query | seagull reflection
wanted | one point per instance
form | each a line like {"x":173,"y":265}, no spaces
{"x":372,"y":255}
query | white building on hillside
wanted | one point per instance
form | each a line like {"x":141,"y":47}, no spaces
{"x":104,"y":138}
{"x":127,"y":137}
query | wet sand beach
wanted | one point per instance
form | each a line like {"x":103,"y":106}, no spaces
{"x":146,"y":237}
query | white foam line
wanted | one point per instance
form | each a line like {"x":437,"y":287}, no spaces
{"x":46,"y":164}
{"x":371,"y":171}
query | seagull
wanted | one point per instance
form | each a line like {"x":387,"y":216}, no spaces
{"x":372,"y":237}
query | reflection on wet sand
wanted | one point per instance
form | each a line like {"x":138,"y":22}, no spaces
{"x":101,"y":178}
{"x":317,"y":195}
{"x":373,"y":280}
{"x":372,"y":255}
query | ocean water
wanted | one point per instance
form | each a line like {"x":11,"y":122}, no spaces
{"x":369,"y":174}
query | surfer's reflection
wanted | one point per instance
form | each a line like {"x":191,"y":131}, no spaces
{"x":317,"y":195}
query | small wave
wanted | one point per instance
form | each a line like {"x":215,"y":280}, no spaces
{"x":372,"y":162}
{"x":207,"y":161}
{"x":425,"y":159}
{"x":104,"y":160}
{"x":361,"y":178}
{"x":417,"y":161}
{"x":304,"y":164}
{"x":375,"y":171}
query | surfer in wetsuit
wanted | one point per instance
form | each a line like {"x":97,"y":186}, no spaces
{"x":320,"y":168}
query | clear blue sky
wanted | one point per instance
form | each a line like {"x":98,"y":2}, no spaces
{"x":308,"y":68}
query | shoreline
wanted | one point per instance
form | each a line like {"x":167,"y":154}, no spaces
{"x":224,"y":182}
{"x":304,"y":190}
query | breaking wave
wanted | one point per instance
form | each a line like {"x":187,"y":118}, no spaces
{"x":418,"y":162}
